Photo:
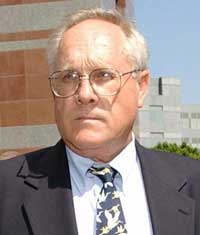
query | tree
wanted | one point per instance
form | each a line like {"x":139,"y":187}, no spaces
{"x":183,"y":149}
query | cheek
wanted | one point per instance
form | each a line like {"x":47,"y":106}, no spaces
{"x":58,"y":109}
{"x":125,"y":111}
{"x":62,"y":113}
{"x":129,"y":99}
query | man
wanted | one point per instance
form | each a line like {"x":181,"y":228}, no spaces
{"x":99,"y":79}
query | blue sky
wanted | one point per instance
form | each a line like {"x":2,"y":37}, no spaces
{"x":172,"y":30}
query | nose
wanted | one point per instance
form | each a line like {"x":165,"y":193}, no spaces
{"x":85,"y":93}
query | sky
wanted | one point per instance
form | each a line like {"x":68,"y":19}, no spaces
{"x":172,"y":31}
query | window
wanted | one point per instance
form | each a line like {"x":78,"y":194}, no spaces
{"x":195,"y":115}
{"x":185,"y":120}
{"x":185,"y":123}
{"x":160,"y":86}
{"x":156,"y":137}
{"x":184,"y":115}
{"x":186,"y":140}
{"x":195,"y":123}
{"x":158,"y":108}
{"x":156,"y":117}
{"x":195,"y":140}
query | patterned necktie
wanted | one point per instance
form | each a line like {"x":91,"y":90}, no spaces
{"x":109,"y":218}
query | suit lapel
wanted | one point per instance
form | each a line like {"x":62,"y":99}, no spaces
{"x":171,"y":211}
{"x":48,"y":204}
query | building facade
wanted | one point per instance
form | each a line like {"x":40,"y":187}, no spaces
{"x":190,"y":120}
{"x":165,"y":119}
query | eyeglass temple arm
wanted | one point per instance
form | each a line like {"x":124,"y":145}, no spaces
{"x":132,"y":71}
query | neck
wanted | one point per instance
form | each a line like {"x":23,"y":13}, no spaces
{"x":102,"y":153}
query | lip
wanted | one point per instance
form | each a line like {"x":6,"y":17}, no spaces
{"x":87,"y":118}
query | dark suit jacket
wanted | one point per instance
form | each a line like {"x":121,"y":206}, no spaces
{"x":36,"y":196}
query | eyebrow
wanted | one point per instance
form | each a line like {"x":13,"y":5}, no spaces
{"x":87,"y":65}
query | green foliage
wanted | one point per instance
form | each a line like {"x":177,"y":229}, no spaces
{"x":183,"y":149}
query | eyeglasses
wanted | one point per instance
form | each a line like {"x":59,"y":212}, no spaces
{"x":104,"y":81}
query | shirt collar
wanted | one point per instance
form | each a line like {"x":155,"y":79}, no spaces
{"x":78,"y":164}
{"x":123,"y":162}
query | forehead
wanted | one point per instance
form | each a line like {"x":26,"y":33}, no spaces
{"x":92,"y":40}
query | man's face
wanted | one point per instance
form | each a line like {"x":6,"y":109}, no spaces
{"x":97,"y":126}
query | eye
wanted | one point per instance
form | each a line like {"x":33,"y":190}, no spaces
{"x":104,"y":75}
{"x":69,"y":76}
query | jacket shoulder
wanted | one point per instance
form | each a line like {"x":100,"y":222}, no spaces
{"x":179,"y":161}
{"x":10,"y":168}
{"x":168,"y":163}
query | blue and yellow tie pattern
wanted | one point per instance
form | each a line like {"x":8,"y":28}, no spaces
{"x":109,"y":218}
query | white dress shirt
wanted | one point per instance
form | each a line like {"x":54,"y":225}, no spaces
{"x":86,"y":188}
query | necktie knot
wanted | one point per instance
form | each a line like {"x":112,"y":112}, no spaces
{"x":105,"y":174}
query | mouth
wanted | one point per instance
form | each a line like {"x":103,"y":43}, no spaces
{"x":87,"y":118}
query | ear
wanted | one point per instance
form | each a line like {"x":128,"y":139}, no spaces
{"x":143,"y":84}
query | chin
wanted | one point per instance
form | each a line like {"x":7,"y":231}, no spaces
{"x":88,"y":140}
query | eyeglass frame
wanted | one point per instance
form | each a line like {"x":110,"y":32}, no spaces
{"x":88,"y":77}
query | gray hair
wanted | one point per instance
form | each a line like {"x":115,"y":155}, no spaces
{"x":135,"y":46}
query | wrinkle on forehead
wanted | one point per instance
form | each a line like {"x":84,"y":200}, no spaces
{"x":84,"y":62}
{"x":86,"y":47}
